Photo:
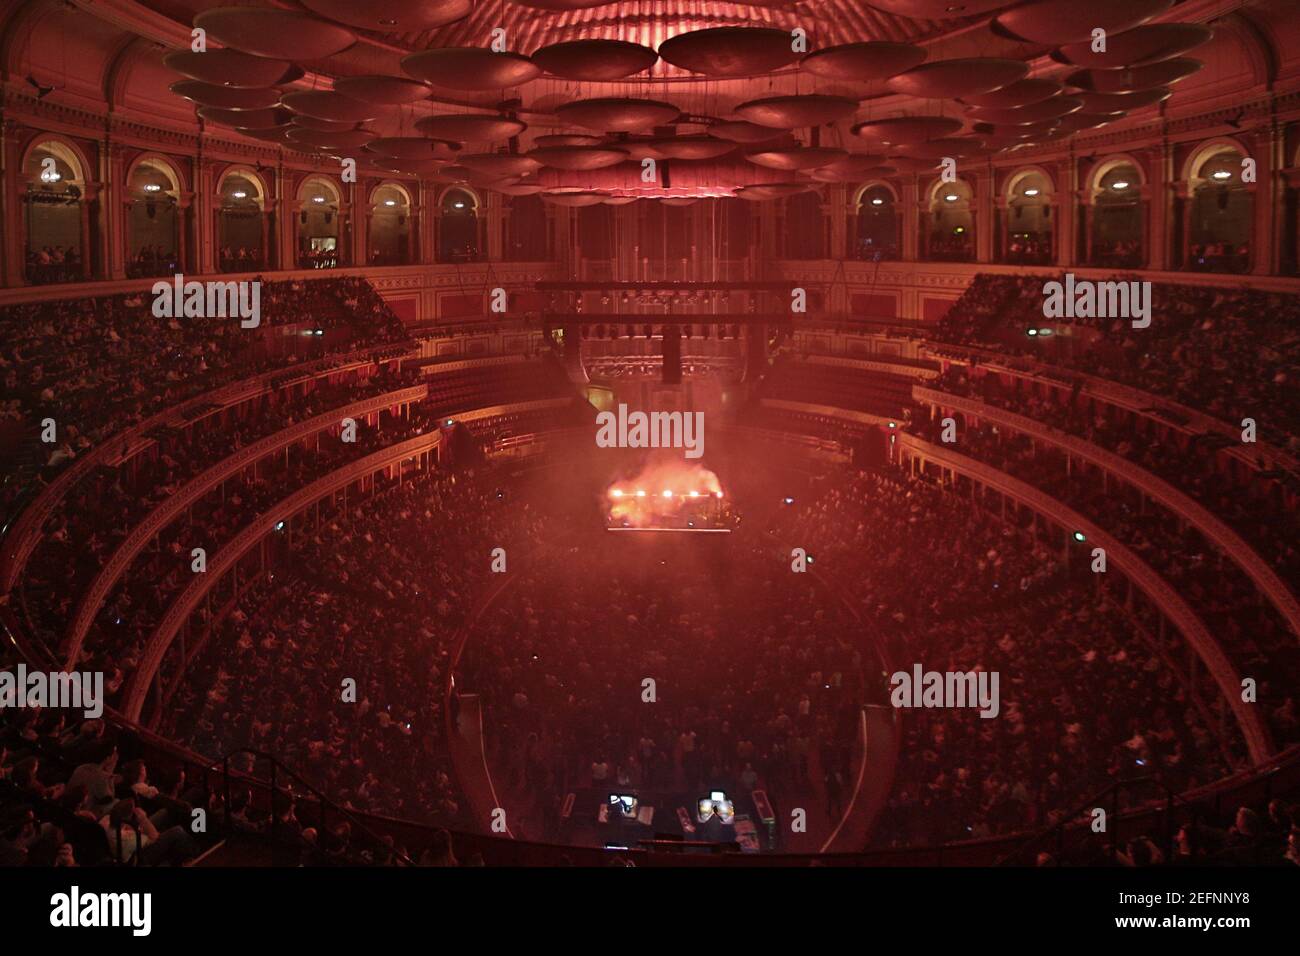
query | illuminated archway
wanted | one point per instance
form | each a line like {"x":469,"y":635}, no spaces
{"x":390,"y":225}
{"x":1027,"y":233}
{"x":876,"y":231}
{"x":242,"y":228}
{"x":154,"y":243}
{"x":1116,"y":233}
{"x":54,"y":213}
{"x":320,"y":205}
{"x":948,"y":227}
{"x":458,"y":226}
{"x":1220,"y":211}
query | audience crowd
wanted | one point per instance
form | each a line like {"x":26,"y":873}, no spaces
{"x":1232,"y":353}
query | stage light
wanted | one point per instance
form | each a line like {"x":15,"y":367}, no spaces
{"x":1222,"y":174}
{"x":717,"y":494}
{"x":877,"y":202}
{"x":155,"y":188}
{"x":239,"y":194}
{"x":695,"y":494}
{"x":640,"y":493}
{"x":893,"y":424}
{"x":616,"y":493}
{"x":1119,"y":185}
{"x":1031,"y":192}
{"x":951,"y":197}
{"x":317,"y":198}
{"x":667,"y":493}
{"x":1044,"y":333}
{"x":788,"y":501}
{"x":1079,"y":536}
{"x":1031,"y":332}
{"x":279,"y":526}
{"x":390,"y":202}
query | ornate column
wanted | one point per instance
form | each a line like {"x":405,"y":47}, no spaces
{"x":494,"y":220}
{"x":427,"y":245}
{"x":836,"y":213}
{"x":1289,"y":222}
{"x":1146,"y":210}
{"x":1266,"y":206}
{"x":1160,"y":206}
{"x":92,"y":195}
{"x":1001,"y":228}
{"x":981,"y":216}
{"x":915,"y":235}
{"x":206,"y":228}
{"x":13,"y":205}
{"x":115,"y":205}
{"x":1181,"y":219}
{"x":1083,"y":254}
{"x":268,"y":233}
{"x":346,"y":245}
{"x":184,"y":203}
{"x":1063,"y":197}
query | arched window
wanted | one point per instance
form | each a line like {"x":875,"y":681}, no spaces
{"x":458,"y":239}
{"x":1116,"y":239}
{"x":241,"y":232}
{"x":54,"y":215}
{"x":950,"y":232}
{"x":318,"y":224}
{"x":1222,"y":211}
{"x":153,"y":222}
{"x":526,"y":229}
{"x":804,"y":235}
{"x":876,"y":236}
{"x":390,"y":226}
{"x":1027,"y":224}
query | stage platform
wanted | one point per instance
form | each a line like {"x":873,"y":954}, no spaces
{"x":672,"y":530}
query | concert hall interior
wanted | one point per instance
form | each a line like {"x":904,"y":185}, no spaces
{"x":655,"y":433}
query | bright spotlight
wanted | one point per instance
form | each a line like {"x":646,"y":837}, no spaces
{"x":667,"y":493}
{"x":616,"y":493}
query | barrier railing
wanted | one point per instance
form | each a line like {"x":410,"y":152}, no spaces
{"x":1182,"y":504}
{"x":195,"y":489}
{"x":1139,"y":573}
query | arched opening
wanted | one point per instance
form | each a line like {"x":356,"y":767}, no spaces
{"x":390,"y":226}
{"x":1116,"y":240}
{"x":804,"y":235}
{"x":1027,"y":232}
{"x":950,"y":230}
{"x":153,"y":220}
{"x":526,"y":229}
{"x":877,"y":236}
{"x":458,"y":239}
{"x":241,"y":230}
{"x":318,"y":224}
{"x":1222,"y":210}
{"x":54,"y":217}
